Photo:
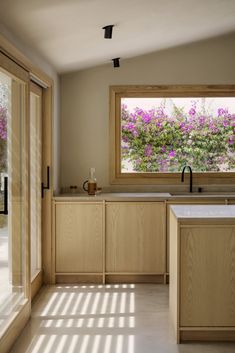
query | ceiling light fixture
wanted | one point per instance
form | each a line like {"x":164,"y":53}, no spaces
{"x":116,"y":62}
{"x":108,"y":30}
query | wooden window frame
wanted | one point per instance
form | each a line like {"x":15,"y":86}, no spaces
{"x":118,"y":92}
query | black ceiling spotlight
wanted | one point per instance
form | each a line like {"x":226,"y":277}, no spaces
{"x":116,"y":62}
{"x":108,"y":30}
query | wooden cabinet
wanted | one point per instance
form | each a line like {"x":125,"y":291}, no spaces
{"x":207,"y":276}
{"x":110,"y":238}
{"x":79,"y":237}
{"x":202,"y":273}
{"x":135,"y":237}
{"x":189,"y":202}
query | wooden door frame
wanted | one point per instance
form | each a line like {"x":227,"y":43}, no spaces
{"x":47,"y":158}
{"x":47,"y":161}
{"x":37,"y":279}
{"x":46,"y":276}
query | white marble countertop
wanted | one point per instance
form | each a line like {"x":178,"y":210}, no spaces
{"x":202,"y":195}
{"x":183,"y":212}
{"x":125,"y":196}
{"x":144,"y":196}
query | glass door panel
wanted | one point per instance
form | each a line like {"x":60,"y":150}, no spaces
{"x":35,"y":178}
{"x":13,"y":199}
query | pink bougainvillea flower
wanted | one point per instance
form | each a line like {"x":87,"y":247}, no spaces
{"x":148,"y":150}
{"x":221,"y":111}
{"x":192,"y":112}
{"x":188,"y":128}
{"x":125,"y":139}
{"x":146,"y":118}
{"x":130,"y":126}
{"x":133,"y":117}
{"x":202,"y":120}
{"x":231,"y":140}
{"x":160,"y":112}
{"x":135,"y":133}
{"x":171,"y":154}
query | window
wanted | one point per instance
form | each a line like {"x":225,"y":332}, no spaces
{"x":155,"y":131}
{"x":35,"y":141}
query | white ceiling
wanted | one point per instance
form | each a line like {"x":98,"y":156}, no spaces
{"x":68,"y":33}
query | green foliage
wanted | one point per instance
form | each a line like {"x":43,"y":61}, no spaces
{"x":153,"y":141}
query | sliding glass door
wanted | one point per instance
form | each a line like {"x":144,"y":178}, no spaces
{"x":35,"y":179}
{"x":14,"y":250}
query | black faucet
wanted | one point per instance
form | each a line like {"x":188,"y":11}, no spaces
{"x":191,"y":176}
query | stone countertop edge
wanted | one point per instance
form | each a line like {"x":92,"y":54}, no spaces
{"x":140,"y":197}
{"x":114,"y":197}
{"x":194,"y":212}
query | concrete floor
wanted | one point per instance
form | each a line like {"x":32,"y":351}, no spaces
{"x":105,"y":319}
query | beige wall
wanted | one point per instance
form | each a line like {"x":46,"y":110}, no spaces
{"x":85,"y":99}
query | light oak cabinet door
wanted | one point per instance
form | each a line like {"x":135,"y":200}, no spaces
{"x":79,"y":234}
{"x":135,"y":237}
{"x":202,"y":273}
{"x":191,"y":202}
{"x":207,"y":276}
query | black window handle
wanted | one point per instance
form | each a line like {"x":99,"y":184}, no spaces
{"x":47,"y":187}
{"x":5,"y":211}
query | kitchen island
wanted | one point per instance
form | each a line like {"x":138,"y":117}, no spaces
{"x":202,"y":272}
